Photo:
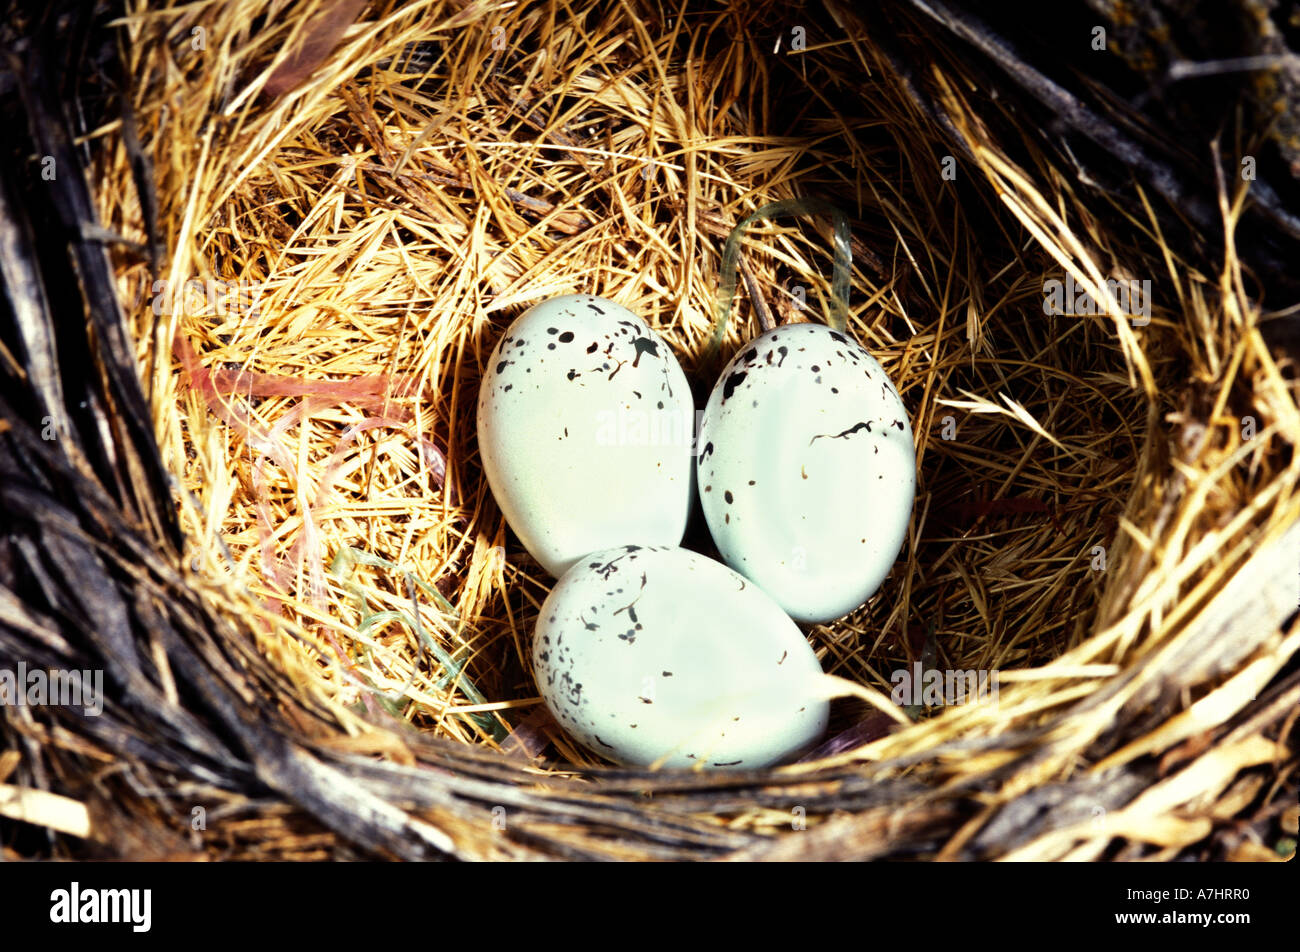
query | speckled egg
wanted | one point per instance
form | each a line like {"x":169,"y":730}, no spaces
{"x":806,"y":469}
{"x":585,"y":423}
{"x":645,"y":653}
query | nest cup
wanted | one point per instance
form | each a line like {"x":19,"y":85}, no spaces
{"x":1086,"y":646}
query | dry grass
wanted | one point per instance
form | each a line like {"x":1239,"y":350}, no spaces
{"x":448,"y":164}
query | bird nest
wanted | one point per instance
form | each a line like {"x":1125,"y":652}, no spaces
{"x":249,"y":311}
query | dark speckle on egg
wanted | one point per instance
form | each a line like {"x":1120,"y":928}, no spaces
{"x":644,"y":345}
{"x":727,"y":496}
{"x":734,"y":381}
{"x":844,"y":434}
{"x":566,"y":337}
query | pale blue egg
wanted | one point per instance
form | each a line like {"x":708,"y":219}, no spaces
{"x":648,"y":654}
{"x":585,"y":423}
{"x":806,"y":469}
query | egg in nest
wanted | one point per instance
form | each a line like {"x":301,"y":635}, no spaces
{"x":652,"y":654}
{"x":806,"y":469}
{"x":585,"y":422}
